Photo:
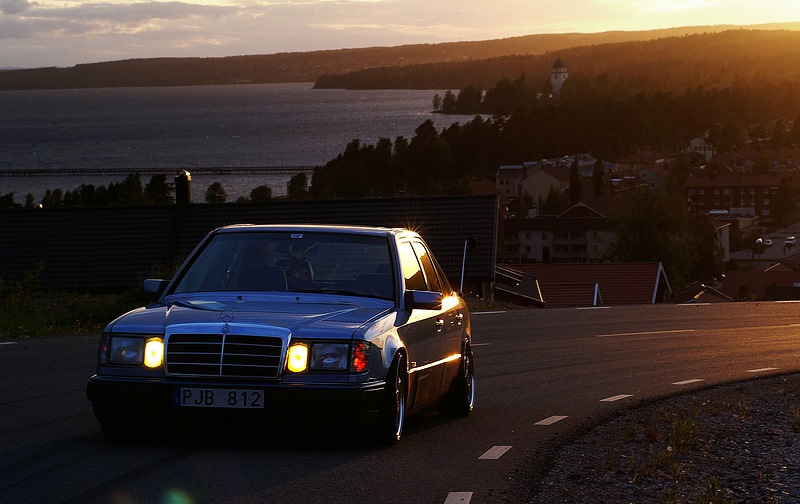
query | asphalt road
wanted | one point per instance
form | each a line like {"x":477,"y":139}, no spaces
{"x":543,"y":375}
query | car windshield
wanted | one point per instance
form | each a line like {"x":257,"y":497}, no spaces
{"x":292,"y":261}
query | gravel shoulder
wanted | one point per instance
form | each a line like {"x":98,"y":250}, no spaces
{"x":730,"y":443}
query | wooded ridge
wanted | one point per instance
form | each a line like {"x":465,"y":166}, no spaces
{"x":407,"y":63}
{"x":738,"y":58}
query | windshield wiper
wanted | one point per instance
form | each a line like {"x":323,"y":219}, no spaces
{"x":330,"y":290}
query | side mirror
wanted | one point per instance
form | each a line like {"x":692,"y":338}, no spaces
{"x":423,"y":300}
{"x":154,"y":287}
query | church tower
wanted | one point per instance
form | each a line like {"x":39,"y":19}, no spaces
{"x":558,"y":76}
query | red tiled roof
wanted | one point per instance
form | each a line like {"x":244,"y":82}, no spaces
{"x":753,"y":284}
{"x":568,"y":295}
{"x":580,"y":209}
{"x":738,"y":180}
{"x":565,"y":285}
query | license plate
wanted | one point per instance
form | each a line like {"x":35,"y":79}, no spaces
{"x":219,"y":398}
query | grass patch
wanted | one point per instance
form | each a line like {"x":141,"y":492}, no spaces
{"x":27,"y":311}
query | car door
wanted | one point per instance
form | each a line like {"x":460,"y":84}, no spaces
{"x":451,"y":313}
{"x":422,"y":333}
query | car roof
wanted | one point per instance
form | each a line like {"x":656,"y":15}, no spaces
{"x":318,"y":228}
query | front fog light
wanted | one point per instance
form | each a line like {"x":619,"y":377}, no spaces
{"x":126,"y":350}
{"x":154,"y":352}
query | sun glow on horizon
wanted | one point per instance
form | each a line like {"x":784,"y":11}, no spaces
{"x":76,"y":31}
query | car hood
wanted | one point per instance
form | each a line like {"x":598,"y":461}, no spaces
{"x":312,"y":316}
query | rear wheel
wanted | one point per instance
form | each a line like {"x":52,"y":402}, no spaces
{"x":461,"y":396}
{"x":392,"y":416}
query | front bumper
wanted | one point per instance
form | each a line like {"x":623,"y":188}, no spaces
{"x":126,"y":400}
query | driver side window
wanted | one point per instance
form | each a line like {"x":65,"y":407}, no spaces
{"x":427,"y":266}
{"x":412,"y":272}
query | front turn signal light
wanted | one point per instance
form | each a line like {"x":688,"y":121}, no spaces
{"x":297,"y":358}
{"x":154,"y":352}
{"x":359,"y":360}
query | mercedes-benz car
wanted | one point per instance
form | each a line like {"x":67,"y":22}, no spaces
{"x":352,"y":325}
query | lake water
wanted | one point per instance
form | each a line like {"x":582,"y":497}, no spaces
{"x":175,"y":128}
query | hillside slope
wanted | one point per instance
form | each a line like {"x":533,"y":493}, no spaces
{"x":740,"y":58}
{"x":309,"y":66}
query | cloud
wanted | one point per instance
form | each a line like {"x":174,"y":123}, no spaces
{"x":67,"y":32}
{"x":130,"y":12}
{"x":432,"y":31}
{"x":672,"y":6}
{"x":51,"y":23}
{"x":14,"y":6}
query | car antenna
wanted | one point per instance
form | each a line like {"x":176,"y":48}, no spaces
{"x":470,"y":243}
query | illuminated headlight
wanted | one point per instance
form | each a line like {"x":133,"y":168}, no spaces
{"x":154,"y":352}
{"x":323,"y":356}
{"x":132,"y":351}
{"x":329,"y":356}
{"x":297,"y":358}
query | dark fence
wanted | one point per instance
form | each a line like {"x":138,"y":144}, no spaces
{"x":113,"y":248}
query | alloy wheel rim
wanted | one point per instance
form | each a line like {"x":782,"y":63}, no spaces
{"x":400,"y":405}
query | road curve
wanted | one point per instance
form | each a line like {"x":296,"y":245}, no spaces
{"x":542,"y":375}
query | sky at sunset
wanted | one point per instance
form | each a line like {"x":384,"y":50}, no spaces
{"x":36,"y":33}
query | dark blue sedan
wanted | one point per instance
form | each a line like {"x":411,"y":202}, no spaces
{"x":294,"y":323}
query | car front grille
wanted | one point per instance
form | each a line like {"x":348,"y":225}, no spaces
{"x":223,"y":355}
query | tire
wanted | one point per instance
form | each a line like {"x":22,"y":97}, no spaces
{"x":392,"y":416}
{"x":460,"y":399}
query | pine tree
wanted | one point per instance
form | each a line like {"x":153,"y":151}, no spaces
{"x":574,"y":183}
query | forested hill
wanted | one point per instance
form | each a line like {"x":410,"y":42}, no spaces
{"x":310,"y":66}
{"x":734,"y":58}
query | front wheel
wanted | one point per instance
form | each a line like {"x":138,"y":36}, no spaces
{"x":392,"y":416}
{"x":460,"y":399}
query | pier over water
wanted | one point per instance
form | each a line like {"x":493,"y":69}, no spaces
{"x":217,"y":170}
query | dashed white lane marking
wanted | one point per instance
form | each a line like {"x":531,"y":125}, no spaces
{"x":616,"y":398}
{"x":494,"y":453}
{"x":458,"y":497}
{"x":645,"y":333}
{"x":594,"y":308}
{"x":687,"y":382}
{"x":761,"y":370}
{"x":8,"y":343}
{"x":550,"y":420}
{"x":481,"y":344}
{"x":487,"y":312}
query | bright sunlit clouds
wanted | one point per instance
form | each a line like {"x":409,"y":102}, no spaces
{"x":36,"y":33}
